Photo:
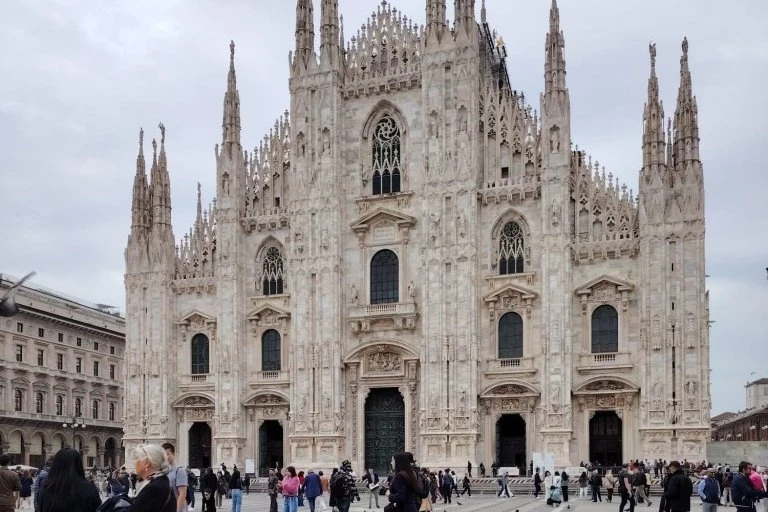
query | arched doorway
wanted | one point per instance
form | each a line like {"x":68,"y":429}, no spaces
{"x":110,"y":453}
{"x":605,"y":439}
{"x":200,"y":445}
{"x":36,"y":454}
{"x":16,"y":448}
{"x":384,"y":428}
{"x":270,"y":446}
{"x":510,"y":441}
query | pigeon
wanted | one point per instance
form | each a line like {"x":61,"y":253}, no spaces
{"x":8,"y":306}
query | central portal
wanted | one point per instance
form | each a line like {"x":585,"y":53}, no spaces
{"x":510,"y":441}
{"x":270,"y":446}
{"x":384,"y":428}
{"x":605,"y":439}
{"x":199,"y":445}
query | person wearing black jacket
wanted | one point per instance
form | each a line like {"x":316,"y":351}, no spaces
{"x":404,"y":490}
{"x":743,"y":494}
{"x":677,"y":493}
{"x":66,"y":489}
{"x":208,"y":485}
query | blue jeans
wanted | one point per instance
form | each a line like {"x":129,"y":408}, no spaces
{"x":344,"y":504}
{"x":237,"y":499}
{"x":290,"y":504}
{"x":191,"y":491}
{"x":311,"y":503}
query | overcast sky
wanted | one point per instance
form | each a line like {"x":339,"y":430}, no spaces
{"x":80,"y":78}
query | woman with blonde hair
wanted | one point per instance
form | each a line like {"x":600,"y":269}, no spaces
{"x":155,"y":493}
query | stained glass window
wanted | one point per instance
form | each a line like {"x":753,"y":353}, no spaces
{"x":386,"y":157}
{"x":272,"y":272}
{"x":511,"y":249}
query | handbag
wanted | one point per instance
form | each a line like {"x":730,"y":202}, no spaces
{"x":382,"y":491}
{"x":390,"y":507}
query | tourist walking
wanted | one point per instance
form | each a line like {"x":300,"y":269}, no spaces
{"x":289,"y":488}
{"x":323,"y":489}
{"x":625,"y":489}
{"x":313,"y":488}
{"x":708,"y":490}
{"x":446,"y":482}
{"x":469,"y":469}
{"x":301,"y":488}
{"x":639,"y":481}
{"x":727,"y":481}
{"x":583,"y":485}
{"x":26,"y":489}
{"x":371,"y":480}
{"x":677,"y":493}
{"x":426,"y":502}
{"x":221,"y":488}
{"x":177,"y":478}
{"x":9,"y":485}
{"x":66,"y":489}
{"x":154,"y":493}
{"x":349,"y":489}
{"x":503,"y":486}
{"x":41,"y":476}
{"x":743,"y":494}
{"x":482,"y":470}
{"x":404,"y":489}
{"x":236,"y":490}
{"x":596,"y":483}
{"x":467,"y":484}
{"x":564,"y":486}
{"x":537,"y":483}
{"x":610,"y":484}
{"x":272,"y":485}
{"x":335,"y":489}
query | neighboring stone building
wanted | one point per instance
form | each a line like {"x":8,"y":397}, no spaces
{"x":757,"y":393}
{"x":60,"y":357}
{"x":419,"y":260}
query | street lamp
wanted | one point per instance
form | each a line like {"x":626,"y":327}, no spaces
{"x":74,"y":422}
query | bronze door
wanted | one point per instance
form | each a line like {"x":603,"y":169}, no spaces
{"x":384,"y":428}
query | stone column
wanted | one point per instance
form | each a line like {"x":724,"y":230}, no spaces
{"x":100,"y":457}
{"x":27,"y":449}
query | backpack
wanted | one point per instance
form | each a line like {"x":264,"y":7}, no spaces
{"x":424,"y":484}
{"x":337,"y":485}
{"x":116,"y":503}
{"x":711,"y":491}
{"x":447,"y":480}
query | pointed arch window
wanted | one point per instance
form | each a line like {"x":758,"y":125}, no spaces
{"x":272,"y":272}
{"x":199,"y":354}
{"x":605,"y":329}
{"x":511,"y":249}
{"x":385,"y":279}
{"x":386,"y":156}
{"x":510,"y":336}
{"x":270,"y":351}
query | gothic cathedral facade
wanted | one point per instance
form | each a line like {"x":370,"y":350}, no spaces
{"x":415,"y":259}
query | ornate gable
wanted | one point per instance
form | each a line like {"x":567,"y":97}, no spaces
{"x":511,"y":296}
{"x":268,"y":316}
{"x":605,"y":289}
{"x":197,"y":322}
{"x":383,"y":225}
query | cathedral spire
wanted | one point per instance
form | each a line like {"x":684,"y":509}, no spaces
{"x":329,"y":32}
{"x":161,"y":189}
{"x":483,"y":16}
{"x":139,"y":211}
{"x":686,"y":129}
{"x":464,"y":14}
{"x":435,"y":20}
{"x":305,"y":34}
{"x":554,"y":67}
{"x":653,"y":119}
{"x":231,"y":123}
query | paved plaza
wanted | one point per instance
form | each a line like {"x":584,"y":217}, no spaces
{"x":485,"y":503}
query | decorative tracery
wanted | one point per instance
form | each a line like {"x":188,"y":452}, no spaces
{"x":511,"y":249}
{"x":386,"y":156}
{"x":272,"y":272}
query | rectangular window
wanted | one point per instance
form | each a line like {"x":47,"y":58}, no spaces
{"x":95,"y":345}
{"x":111,"y":411}
{"x":59,"y":405}
{"x":40,"y":357}
{"x":95,"y":409}
{"x":78,"y":364}
{"x":18,"y":400}
{"x":112,"y":350}
{"x":20,"y":353}
{"x":61,"y":337}
{"x":19,"y":327}
{"x":60,"y":361}
{"x":40,"y":332}
{"x":504,"y":173}
{"x":79,"y":342}
{"x":95,"y":368}
{"x":112,"y":372}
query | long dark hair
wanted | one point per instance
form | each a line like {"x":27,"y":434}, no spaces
{"x":65,"y":478}
{"x":403,"y":466}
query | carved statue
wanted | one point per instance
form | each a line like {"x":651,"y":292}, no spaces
{"x":554,"y":141}
{"x":690,"y":388}
{"x":411,"y":290}
{"x":353,"y":293}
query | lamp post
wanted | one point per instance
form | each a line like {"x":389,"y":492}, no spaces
{"x":74,"y":423}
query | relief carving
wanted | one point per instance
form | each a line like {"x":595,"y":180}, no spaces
{"x":382,"y":361}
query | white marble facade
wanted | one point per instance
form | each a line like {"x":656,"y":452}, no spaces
{"x":495,"y":214}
